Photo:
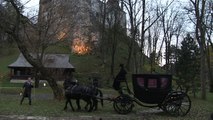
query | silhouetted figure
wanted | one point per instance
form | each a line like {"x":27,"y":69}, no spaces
{"x":27,"y":90}
{"x":70,"y":80}
{"x":121,"y":77}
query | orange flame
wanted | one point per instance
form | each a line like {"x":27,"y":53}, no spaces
{"x":61,"y":35}
{"x":80,"y":47}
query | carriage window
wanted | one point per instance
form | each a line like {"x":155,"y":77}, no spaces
{"x":152,"y":83}
{"x":164,"y":82}
{"x":140,"y":82}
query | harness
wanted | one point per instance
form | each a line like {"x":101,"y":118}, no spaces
{"x":71,"y":88}
{"x":81,"y":90}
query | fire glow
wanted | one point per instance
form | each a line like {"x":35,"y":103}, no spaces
{"x":79,"y":47}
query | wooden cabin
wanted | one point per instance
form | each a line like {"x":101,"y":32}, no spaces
{"x":59,"y":64}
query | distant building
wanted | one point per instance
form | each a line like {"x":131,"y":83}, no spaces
{"x":59,"y":64}
{"x":82,"y":20}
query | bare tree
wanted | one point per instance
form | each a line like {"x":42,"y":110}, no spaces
{"x":209,"y":22}
{"x":170,"y":20}
{"x":36,"y":38}
{"x":115,"y":30}
{"x":139,"y":23}
{"x":133,"y":8}
{"x":209,"y":34}
{"x":196,"y":12}
{"x":102,"y":42}
{"x":153,"y":40}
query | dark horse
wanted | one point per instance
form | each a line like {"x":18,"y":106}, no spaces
{"x":87,"y":93}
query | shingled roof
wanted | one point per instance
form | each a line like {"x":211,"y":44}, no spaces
{"x":49,"y":61}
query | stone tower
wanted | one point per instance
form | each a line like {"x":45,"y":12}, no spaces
{"x":79,"y":20}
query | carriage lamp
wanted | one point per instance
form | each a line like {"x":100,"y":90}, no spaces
{"x":44,"y":84}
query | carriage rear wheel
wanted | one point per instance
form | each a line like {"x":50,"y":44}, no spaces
{"x":123,"y":104}
{"x":177,"y":103}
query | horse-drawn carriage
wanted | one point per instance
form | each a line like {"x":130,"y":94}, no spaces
{"x":155,"y":90}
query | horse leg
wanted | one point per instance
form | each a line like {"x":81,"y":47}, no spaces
{"x":78,"y":104}
{"x":90,"y":104}
{"x":71,"y":105}
{"x":101,"y":95}
{"x":65,"y":107}
{"x":86,"y":106}
{"x":95,"y":104}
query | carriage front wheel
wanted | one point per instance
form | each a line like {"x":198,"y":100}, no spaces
{"x":177,"y":103}
{"x":123,"y":104}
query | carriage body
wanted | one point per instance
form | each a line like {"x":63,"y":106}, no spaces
{"x":155,"y":90}
{"x":151,"y":88}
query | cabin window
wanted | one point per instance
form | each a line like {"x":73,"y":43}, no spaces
{"x":152,"y":83}
{"x":140,"y":82}
{"x":164,"y":82}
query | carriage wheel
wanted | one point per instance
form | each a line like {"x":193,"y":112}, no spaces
{"x":177,"y":104}
{"x":123,"y":104}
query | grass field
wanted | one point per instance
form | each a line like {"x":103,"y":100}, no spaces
{"x":44,"y":105}
{"x":5,"y":61}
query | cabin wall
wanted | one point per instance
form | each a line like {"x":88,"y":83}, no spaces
{"x":21,"y":74}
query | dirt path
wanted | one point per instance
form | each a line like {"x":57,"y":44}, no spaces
{"x":21,"y":117}
{"x":141,"y":115}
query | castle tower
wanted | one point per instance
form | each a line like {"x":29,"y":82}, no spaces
{"x":80,"y":19}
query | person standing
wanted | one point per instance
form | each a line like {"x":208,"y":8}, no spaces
{"x":121,"y":77}
{"x":27,"y":90}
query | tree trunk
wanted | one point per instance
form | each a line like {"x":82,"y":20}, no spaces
{"x":210,"y":75}
{"x":203,"y":76}
{"x":129,"y":55}
{"x":36,"y":76}
{"x":199,"y":9}
{"x":112,"y":63}
{"x":36,"y":82}
{"x":57,"y":91}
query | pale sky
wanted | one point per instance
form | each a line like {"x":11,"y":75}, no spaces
{"x":31,"y":7}
{"x":30,"y":3}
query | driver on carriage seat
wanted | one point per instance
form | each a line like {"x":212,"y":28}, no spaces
{"x":120,"y":77}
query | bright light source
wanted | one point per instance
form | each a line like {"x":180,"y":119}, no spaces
{"x":80,"y":47}
{"x":44,"y":84}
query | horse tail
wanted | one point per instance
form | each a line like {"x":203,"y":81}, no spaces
{"x":101,"y":95}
